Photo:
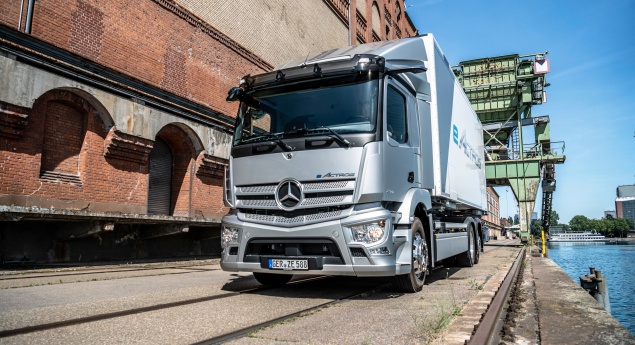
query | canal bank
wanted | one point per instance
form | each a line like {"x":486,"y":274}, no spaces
{"x":545,"y":306}
{"x":568,"y":314}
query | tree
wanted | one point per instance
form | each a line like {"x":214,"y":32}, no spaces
{"x":597,"y":226}
{"x":554,"y":218}
{"x":621,"y":227}
{"x":535,"y":227}
{"x":580,"y":223}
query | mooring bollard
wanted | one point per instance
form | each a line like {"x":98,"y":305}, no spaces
{"x":595,"y":284}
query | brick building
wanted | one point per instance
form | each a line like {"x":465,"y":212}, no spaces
{"x":492,"y":220}
{"x":114,"y":130}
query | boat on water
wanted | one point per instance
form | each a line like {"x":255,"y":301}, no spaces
{"x":579,"y":237}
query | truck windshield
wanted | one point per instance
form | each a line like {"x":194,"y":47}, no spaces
{"x":326,"y":105}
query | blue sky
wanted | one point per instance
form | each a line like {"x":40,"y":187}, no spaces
{"x":591,"y":100}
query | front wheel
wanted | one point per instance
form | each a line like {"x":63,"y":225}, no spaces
{"x":271,"y":279}
{"x":413,"y":281}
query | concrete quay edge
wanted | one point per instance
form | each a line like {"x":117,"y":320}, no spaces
{"x":568,"y":314}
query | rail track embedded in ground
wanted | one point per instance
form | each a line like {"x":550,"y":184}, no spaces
{"x":218,"y":339}
{"x":488,"y":328}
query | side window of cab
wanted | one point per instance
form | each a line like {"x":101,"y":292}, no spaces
{"x":396,"y":119}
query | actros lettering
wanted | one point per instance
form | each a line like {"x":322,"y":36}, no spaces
{"x":465,"y":146}
{"x":327,"y":175}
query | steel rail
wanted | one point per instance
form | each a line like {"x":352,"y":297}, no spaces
{"x":127,"y":270}
{"x":105,"y":316}
{"x":249,"y":329}
{"x":488,"y":326}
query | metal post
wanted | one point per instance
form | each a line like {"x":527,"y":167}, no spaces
{"x":602,"y":295}
{"x":544,"y":245}
{"x":595,"y":284}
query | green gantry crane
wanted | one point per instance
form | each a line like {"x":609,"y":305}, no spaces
{"x":502,"y":91}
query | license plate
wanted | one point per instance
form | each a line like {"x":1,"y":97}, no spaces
{"x":288,"y":264}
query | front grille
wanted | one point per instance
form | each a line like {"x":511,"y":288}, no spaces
{"x":326,"y":185}
{"x":258,"y":189}
{"x":269,"y":203}
{"x":294,"y":218}
{"x":316,"y":194}
{"x":258,"y":203}
{"x":322,"y":201}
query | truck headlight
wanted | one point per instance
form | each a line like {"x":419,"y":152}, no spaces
{"x":229,"y":235}
{"x":368,"y":233}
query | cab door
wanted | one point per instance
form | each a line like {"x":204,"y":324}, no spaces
{"x":401,"y":141}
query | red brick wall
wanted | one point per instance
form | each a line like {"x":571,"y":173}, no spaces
{"x":66,"y":135}
{"x":10,"y":13}
{"x":102,"y":180}
{"x":207,"y":194}
{"x":141,"y":39}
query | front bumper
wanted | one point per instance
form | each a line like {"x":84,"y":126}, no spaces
{"x":345,"y":256}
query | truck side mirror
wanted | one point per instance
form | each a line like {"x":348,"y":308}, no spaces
{"x":235,"y":94}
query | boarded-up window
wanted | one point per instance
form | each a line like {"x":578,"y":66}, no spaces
{"x":63,"y":138}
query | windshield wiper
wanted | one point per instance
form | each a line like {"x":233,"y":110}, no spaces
{"x":319,"y":129}
{"x":280,"y":141}
{"x":275,"y":137}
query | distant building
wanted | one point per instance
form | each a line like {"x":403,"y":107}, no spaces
{"x":505,"y":222}
{"x":610,"y":213}
{"x":625,"y":202}
{"x":492,"y":220}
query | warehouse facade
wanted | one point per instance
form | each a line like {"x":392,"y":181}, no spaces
{"x":114,"y":129}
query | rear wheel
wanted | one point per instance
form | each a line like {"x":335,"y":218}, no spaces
{"x":467,"y":259}
{"x":413,"y":281}
{"x":271,"y":279}
{"x":479,"y":246}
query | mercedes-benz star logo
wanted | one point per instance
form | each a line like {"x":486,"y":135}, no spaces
{"x":288,"y":194}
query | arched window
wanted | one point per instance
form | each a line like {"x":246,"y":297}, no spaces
{"x":361,"y":6}
{"x":376,"y":19}
{"x":170,"y":172}
{"x":398,"y":13}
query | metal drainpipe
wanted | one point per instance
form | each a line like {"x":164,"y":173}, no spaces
{"x":29,"y":16}
{"x":350,"y":23}
{"x":20,"y":19}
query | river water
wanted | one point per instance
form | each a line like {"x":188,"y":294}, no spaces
{"x":617,"y":263}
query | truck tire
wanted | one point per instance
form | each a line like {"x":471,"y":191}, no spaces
{"x":468,"y":258}
{"x":479,"y":246}
{"x":413,"y":281}
{"x":271,"y":279}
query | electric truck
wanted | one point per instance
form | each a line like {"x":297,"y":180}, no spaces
{"x":363,"y":161}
